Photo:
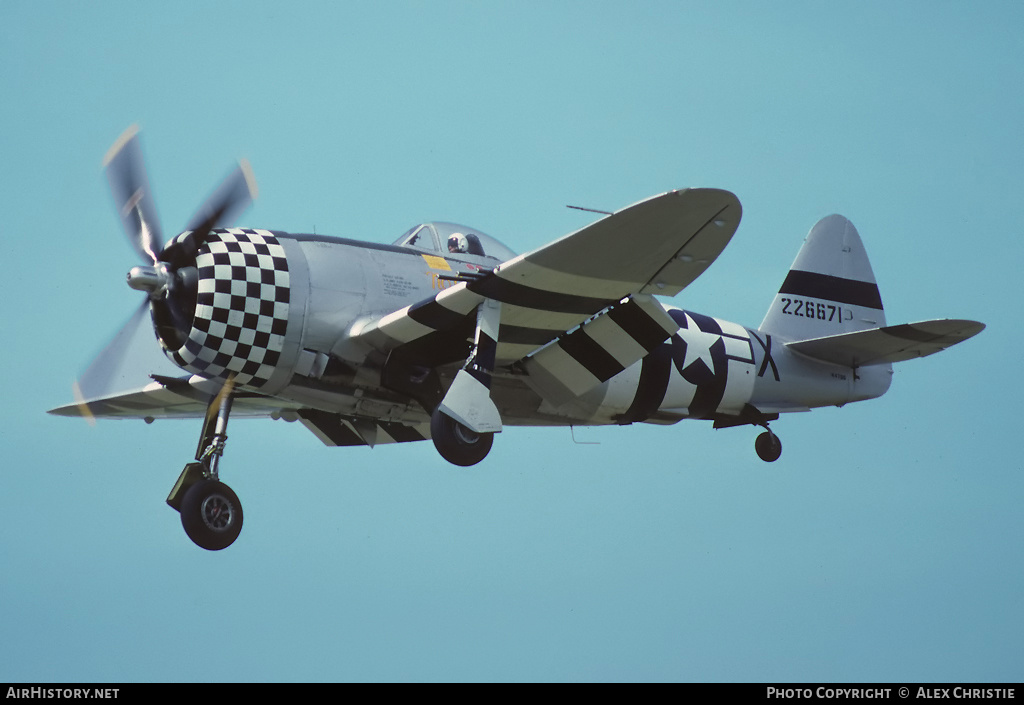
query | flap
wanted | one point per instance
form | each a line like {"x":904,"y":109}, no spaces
{"x":341,"y":430}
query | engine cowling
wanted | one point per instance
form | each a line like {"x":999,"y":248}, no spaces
{"x":228,"y":312}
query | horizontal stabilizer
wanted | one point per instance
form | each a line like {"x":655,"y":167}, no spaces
{"x":888,"y":344}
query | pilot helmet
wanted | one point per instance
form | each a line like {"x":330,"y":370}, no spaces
{"x":457,"y":243}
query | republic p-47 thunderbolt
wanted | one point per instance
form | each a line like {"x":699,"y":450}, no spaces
{"x":449,"y":335}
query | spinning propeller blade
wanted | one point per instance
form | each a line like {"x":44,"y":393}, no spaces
{"x":169,"y":275}
{"x":233,"y":196}
{"x":127,"y":362}
{"x":126,"y":172}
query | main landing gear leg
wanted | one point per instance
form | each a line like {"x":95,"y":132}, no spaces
{"x":210,"y":511}
{"x":768,"y":446}
{"x":464,"y":423}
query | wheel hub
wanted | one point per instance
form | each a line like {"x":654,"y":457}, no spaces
{"x":217,"y":512}
{"x":465,"y":436}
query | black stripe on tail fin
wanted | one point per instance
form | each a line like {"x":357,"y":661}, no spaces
{"x":827,"y":287}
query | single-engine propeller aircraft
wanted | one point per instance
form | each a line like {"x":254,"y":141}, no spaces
{"x":447,"y":334}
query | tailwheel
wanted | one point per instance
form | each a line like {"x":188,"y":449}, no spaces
{"x":768,"y":447}
{"x":211,"y":514}
{"x":456,"y":443}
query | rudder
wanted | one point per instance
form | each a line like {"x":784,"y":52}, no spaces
{"x":830,"y":288}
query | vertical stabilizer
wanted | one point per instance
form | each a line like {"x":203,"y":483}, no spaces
{"x":830,"y":288}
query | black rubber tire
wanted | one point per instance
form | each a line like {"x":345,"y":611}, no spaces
{"x":768,"y":447}
{"x":456,"y":443}
{"x":211,"y":515}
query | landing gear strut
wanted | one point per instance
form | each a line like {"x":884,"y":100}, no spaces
{"x":767,"y":445}
{"x":463,"y":425}
{"x":210,"y":511}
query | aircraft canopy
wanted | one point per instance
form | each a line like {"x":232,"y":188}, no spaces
{"x":454,"y":239}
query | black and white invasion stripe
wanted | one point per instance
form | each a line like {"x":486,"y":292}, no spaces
{"x":600,"y":349}
{"x":341,"y":430}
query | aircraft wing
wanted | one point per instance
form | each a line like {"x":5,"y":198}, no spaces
{"x":656,"y":246}
{"x":132,"y":379}
{"x":888,"y":344}
{"x":170,"y":398}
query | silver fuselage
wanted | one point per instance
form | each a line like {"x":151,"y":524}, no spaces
{"x":710,"y":369}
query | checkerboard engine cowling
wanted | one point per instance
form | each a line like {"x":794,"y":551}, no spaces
{"x":241,"y":308}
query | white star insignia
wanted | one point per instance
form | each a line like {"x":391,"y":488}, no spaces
{"x":698,"y":344}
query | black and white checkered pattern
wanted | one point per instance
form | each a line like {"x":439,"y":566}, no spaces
{"x":241,"y":308}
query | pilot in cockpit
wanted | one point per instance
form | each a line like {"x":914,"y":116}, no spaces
{"x":457,"y":243}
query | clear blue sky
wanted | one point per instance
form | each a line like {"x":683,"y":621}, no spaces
{"x":885,"y":545}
